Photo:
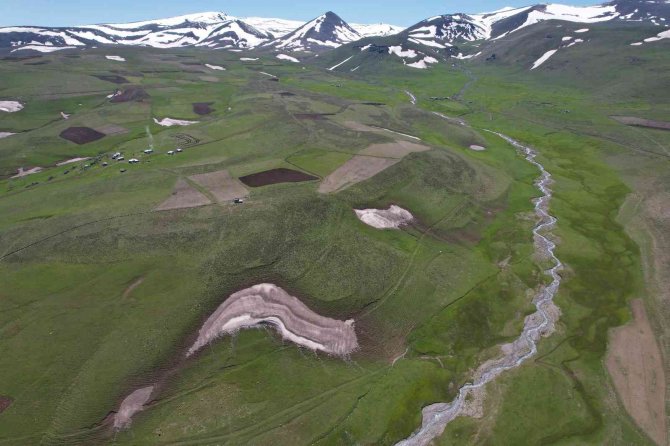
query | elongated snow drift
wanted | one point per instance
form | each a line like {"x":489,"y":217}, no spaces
{"x":268,"y":304}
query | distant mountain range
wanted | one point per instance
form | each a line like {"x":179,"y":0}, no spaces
{"x":218,"y":30}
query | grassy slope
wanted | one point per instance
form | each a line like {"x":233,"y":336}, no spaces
{"x":77,"y":241}
{"x":403,"y":288}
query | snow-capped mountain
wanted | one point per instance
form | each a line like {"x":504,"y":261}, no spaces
{"x":326,"y":31}
{"x":444,"y":30}
{"x":213,"y":29}
{"x":218,"y":30}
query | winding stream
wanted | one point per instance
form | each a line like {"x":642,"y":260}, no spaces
{"x":541,"y":323}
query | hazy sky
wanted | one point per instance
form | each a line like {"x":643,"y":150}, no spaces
{"x":398,"y":12}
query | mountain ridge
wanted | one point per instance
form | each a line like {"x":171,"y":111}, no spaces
{"x":218,"y":30}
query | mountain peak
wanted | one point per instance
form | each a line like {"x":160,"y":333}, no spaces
{"x":325,"y":31}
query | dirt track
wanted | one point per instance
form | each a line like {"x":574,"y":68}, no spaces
{"x":641,"y":122}
{"x":636,"y":367}
{"x":269,"y":304}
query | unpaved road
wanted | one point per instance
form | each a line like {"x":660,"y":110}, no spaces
{"x":541,"y":323}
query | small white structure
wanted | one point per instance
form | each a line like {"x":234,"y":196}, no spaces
{"x":170,"y":152}
{"x":180,"y":150}
{"x":148,"y":151}
{"x":133,"y":161}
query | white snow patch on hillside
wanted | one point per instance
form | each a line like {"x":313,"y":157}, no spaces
{"x":287,"y":57}
{"x":659,"y":36}
{"x":214,"y":67}
{"x":116,"y":58}
{"x":582,"y":30}
{"x":376,"y":30}
{"x":566,"y":38}
{"x":248,"y":59}
{"x":391,"y":218}
{"x":423,"y":63}
{"x":574,"y":42}
{"x":469,"y":56}
{"x":431,"y":43}
{"x":276,"y":27}
{"x":10,"y":106}
{"x":341,"y":63}
{"x":543,"y":59}
{"x":43,"y":48}
{"x":398,"y":51}
{"x":6,"y":134}
{"x":169,"y":122}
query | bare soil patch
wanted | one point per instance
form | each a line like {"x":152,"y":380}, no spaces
{"x":112,"y":129}
{"x":202,"y":108}
{"x":312,"y":116}
{"x":641,"y":122}
{"x":137,"y":282}
{"x":375,"y":104}
{"x":113,"y":78}
{"x":184,"y":196}
{"x":274,"y":176}
{"x":354,"y":171}
{"x":398,"y":149}
{"x":221,"y":185}
{"x":5,"y":402}
{"x":25,"y":172}
{"x":636,"y":367}
{"x":41,"y":62}
{"x":81,"y":135}
{"x":136,"y":94}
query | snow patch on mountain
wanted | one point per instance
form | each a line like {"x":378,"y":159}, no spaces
{"x":543,"y":58}
{"x":340,"y":64}
{"x":287,"y":57}
{"x":377,"y":30}
{"x":116,"y":58}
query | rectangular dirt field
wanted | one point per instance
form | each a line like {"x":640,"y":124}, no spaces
{"x":275,"y":176}
{"x":183,"y":196}
{"x":221,"y":185}
{"x":357,"y":169}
